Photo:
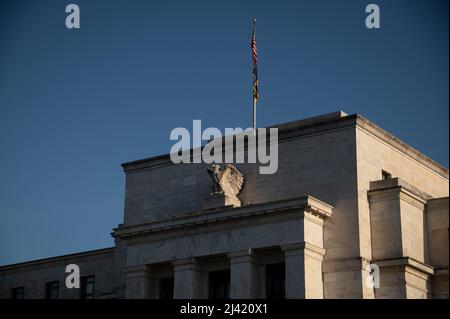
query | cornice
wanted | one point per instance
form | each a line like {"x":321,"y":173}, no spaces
{"x":405,"y":262}
{"x":304,"y":204}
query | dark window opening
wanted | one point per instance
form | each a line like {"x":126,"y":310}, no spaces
{"x":166,"y":288}
{"x":275,"y":281}
{"x":87,"y":287}
{"x":18,"y":293}
{"x":52,"y":290}
{"x":385,"y":175}
{"x":219,"y":284}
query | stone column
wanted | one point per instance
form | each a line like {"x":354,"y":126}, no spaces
{"x":246,"y":275}
{"x":190,"y":281}
{"x":140,"y":284}
{"x":303,"y":271}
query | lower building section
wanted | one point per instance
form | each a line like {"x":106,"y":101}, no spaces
{"x":291,"y":271}
{"x":87,"y":275}
{"x":272,"y":250}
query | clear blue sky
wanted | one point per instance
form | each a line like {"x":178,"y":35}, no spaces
{"x":75,"y":104}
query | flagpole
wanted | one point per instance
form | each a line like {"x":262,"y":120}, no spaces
{"x":254,"y":116}
{"x":254,"y":99}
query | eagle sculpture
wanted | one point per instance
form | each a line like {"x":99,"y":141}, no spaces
{"x":228,"y":181}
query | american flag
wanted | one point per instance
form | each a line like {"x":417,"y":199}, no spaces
{"x":255,"y":62}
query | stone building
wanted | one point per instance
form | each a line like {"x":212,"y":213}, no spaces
{"x":348,"y":198}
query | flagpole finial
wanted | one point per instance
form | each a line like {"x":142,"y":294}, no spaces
{"x":254,"y":20}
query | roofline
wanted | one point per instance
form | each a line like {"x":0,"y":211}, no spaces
{"x":58,"y":258}
{"x":402,"y":146}
{"x":283,"y":129}
{"x":315,"y":125}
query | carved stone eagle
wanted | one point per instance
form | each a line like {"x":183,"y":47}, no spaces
{"x":228,"y":181}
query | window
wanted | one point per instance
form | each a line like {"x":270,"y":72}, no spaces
{"x":52,"y":290}
{"x":166,"y":288}
{"x":219,"y":284}
{"x":385,"y":175}
{"x":18,"y":293}
{"x":87,"y":287}
{"x":275,"y":281}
